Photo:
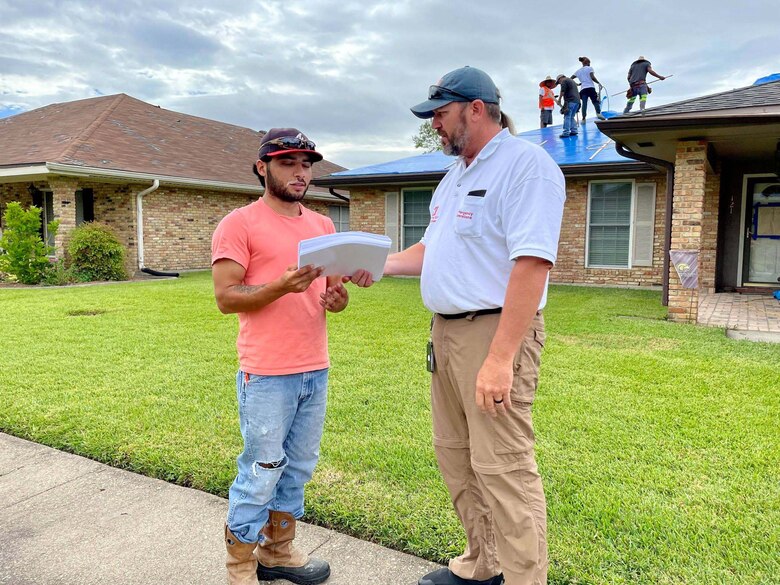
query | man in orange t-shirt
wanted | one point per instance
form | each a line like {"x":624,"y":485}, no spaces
{"x":283,"y":360}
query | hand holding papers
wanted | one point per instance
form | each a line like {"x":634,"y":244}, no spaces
{"x":345,"y":253}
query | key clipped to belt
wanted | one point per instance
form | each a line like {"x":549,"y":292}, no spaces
{"x":430,"y":361}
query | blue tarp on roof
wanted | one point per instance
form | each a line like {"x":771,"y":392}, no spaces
{"x":767,"y":79}
{"x":590,"y":146}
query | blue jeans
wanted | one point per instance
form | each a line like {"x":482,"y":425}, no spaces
{"x":569,"y":124}
{"x":589,"y":93}
{"x":281,"y":420}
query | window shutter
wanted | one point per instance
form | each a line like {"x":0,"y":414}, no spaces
{"x":644,"y":224}
{"x":345,"y":218}
{"x":88,"y":203}
{"x":334,"y":212}
{"x":79,"y":207}
{"x":391,"y":219}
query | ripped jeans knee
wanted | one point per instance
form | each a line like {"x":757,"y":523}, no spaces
{"x":266,"y":473}
{"x":258,"y":467}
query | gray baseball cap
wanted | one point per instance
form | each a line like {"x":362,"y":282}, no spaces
{"x":462,"y":85}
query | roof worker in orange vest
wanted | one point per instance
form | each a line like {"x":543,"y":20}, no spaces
{"x":546,"y":101}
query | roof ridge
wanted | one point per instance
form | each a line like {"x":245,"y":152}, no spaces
{"x":90,"y":130}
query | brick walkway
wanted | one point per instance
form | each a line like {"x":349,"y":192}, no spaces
{"x":743,"y":312}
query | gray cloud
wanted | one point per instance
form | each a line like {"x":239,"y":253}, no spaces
{"x":346,"y":72}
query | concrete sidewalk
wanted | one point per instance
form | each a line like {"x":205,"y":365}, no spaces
{"x":69,"y":520}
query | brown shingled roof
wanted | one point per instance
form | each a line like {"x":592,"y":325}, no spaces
{"x":119,"y":132}
{"x":759,"y":97}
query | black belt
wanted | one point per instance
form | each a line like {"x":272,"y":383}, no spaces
{"x":470,"y":313}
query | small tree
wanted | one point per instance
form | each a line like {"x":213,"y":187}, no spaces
{"x":96,"y":253}
{"x":427,"y":138}
{"x":23,"y":253}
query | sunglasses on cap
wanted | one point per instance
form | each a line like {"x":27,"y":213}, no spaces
{"x":437,"y":92}
{"x":292,"y":143}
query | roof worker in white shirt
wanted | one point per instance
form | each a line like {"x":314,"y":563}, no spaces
{"x":484,"y":262}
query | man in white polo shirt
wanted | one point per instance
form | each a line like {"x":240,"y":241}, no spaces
{"x":484,"y":262}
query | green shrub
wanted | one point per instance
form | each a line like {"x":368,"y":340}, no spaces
{"x":24,"y":255}
{"x":96,"y":254}
{"x":58,"y":274}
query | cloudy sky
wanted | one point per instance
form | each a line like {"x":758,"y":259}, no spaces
{"x":346,"y":72}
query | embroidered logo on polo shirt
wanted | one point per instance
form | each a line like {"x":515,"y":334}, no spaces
{"x":435,"y":214}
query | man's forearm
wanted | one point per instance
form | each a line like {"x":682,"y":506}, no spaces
{"x":242,"y":298}
{"x":654,"y":74}
{"x":406,"y":263}
{"x":525,"y":289}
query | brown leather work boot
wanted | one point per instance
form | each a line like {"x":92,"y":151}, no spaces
{"x":278,"y":558}
{"x":241,"y":562}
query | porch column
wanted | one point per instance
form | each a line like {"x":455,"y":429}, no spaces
{"x":64,"y":199}
{"x":709,"y":230}
{"x":690,"y":185}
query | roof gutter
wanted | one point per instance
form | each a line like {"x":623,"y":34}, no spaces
{"x":660,"y":122}
{"x":431,"y":176}
{"x":389,"y":178}
{"x":623,"y":151}
{"x":78,"y":171}
{"x":41,"y":170}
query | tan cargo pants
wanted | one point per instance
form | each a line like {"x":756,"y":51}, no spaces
{"x":488,"y":463}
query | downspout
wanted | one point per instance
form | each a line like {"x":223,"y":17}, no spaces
{"x":332,"y":192}
{"x":622,"y":150}
{"x":139,"y":208}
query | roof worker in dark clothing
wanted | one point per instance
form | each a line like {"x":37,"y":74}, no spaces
{"x":588,"y":83}
{"x":637,"y":80}
{"x":570,"y":106}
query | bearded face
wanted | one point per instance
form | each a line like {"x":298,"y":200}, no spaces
{"x":454,"y":141}
{"x":287,"y":177}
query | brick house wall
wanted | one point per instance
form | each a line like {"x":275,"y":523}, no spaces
{"x":320,"y":207}
{"x":367,"y":209}
{"x":367,"y":213}
{"x":571,"y":268}
{"x":709,"y":232}
{"x":178,"y":221}
{"x":115,"y":207}
{"x":16,"y":192}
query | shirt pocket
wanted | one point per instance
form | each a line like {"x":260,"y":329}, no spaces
{"x":470,"y":216}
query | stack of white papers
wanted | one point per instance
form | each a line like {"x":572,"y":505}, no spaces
{"x":345,"y":253}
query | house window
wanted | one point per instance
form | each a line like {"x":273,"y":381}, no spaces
{"x":340,"y":216}
{"x":45,"y":201}
{"x":416,"y":214}
{"x":621,"y":224}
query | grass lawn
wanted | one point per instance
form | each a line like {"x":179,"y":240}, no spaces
{"x":658,"y":443}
